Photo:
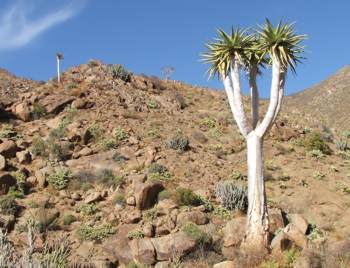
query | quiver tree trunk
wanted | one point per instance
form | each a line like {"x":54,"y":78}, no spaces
{"x":257,"y":218}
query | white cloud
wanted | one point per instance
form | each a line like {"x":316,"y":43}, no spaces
{"x":18,"y":30}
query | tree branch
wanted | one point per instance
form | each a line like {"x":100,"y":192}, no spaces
{"x":238,"y":100}
{"x":283,"y":75}
{"x":274,"y":97}
{"x":240,"y":120}
{"x":254,"y":95}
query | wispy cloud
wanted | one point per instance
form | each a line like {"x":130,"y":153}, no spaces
{"x":17,"y":29}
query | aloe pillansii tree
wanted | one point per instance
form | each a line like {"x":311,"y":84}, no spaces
{"x":59,"y":57}
{"x":278,"y":48}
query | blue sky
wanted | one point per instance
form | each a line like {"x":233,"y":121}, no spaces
{"x":145,"y":36}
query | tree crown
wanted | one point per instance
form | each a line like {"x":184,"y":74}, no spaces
{"x":254,"y":48}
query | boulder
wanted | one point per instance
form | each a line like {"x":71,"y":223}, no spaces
{"x":24,"y":157}
{"x":146,"y":194}
{"x":280,"y":243}
{"x":148,"y":230}
{"x":172,"y":246}
{"x":8,"y":148}
{"x":93,"y":197}
{"x":233,"y":234}
{"x":133,"y":216}
{"x":143,"y":251}
{"x":120,"y":243}
{"x":299,"y":221}
{"x":294,"y":234}
{"x":22,"y":111}
{"x":2,"y":162}
{"x":276,"y":220}
{"x":6,"y":181}
{"x":225,"y":264}
{"x":196,"y":217}
{"x":55,"y":103}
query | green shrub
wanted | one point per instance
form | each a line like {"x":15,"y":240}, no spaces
{"x":95,"y":131}
{"x":208,"y":122}
{"x":56,"y":254}
{"x":119,"y":199}
{"x":120,"y":134}
{"x":154,"y":133}
{"x":59,"y":180}
{"x":165,"y":194}
{"x":152,"y":104}
{"x":39,"y":147}
{"x":136,"y":234}
{"x":186,"y":197}
{"x":95,"y":233}
{"x":316,"y":154}
{"x":8,"y":205}
{"x":314,"y":232}
{"x":108,"y":144}
{"x":69,"y":219}
{"x":158,"y":172}
{"x":88,"y":209}
{"x":7,"y":131}
{"x":192,"y":230}
{"x":232,"y":196}
{"x":222,"y":213}
{"x":314,"y":141}
{"x":39,"y":110}
{"x":236,"y":175}
{"x":179,"y":143}
{"x":119,"y":72}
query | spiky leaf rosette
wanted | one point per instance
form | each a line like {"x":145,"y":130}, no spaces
{"x":280,"y":42}
{"x":226,"y":49}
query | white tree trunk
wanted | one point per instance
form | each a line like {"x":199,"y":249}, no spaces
{"x":257,"y":220}
{"x":58,"y":70}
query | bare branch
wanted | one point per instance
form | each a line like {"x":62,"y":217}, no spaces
{"x":238,"y":100}
{"x":230,"y":96}
{"x":281,"y":93}
{"x":254,"y":95}
{"x":274,"y":97}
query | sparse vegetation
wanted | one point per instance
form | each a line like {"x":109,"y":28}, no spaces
{"x":232,"y":195}
{"x":179,"y":143}
{"x":193,"y":231}
{"x":95,"y":233}
{"x":137,"y":234}
{"x":8,"y":205}
{"x":38,"y":111}
{"x":69,"y":219}
{"x":119,"y":199}
{"x":186,"y":197}
{"x":119,"y":72}
{"x":158,"y":172}
{"x":59,"y":180}
{"x":120,"y":134}
{"x":314,"y":141}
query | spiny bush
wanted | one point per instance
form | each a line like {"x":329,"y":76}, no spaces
{"x":69,"y":219}
{"x":314,"y":141}
{"x":8,"y":205}
{"x":95,"y":233}
{"x":179,"y":143}
{"x":120,"y":134}
{"x":59,"y":180}
{"x":88,"y":209}
{"x":119,"y":72}
{"x":193,"y":231}
{"x":186,"y":197}
{"x":158,"y":172}
{"x":136,"y":234}
{"x":95,"y":131}
{"x":38,"y":111}
{"x":232,"y":196}
{"x":342,"y":145}
{"x":39,"y":147}
{"x":56,"y":254}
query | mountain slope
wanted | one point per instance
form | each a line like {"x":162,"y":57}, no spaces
{"x":326,"y":103}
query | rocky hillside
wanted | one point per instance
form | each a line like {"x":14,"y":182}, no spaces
{"x":109,"y":168}
{"x":325,"y":103}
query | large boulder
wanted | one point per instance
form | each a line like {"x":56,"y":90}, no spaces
{"x":174,"y":245}
{"x":276,"y":220}
{"x":22,"y":111}
{"x":8,"y":148}
{"x":233,"y":234}
{"x":299,"y":221}
{"x":294,"y":234}
{"x":146,"y":194}
{"x":196,"y":217}
{"x":120,"y":243}
{"x":143,"y":251}
{"x":6,"y":181}
{"x":55,"y":103}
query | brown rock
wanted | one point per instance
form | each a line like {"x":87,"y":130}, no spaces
{"x":275,"y":220}
{"x":146,"y":194}
{"x":225,"y":264}
{"x":163,"y":264}
{"x":280,"y":243}
{"x":120,"y":243}
{"x":148,"y":230}
{"x":150,"y":155}
{"x":234,"y":232}
{"x":8,"y":148}
{"x":131,"y":201}
{"x":22,"y":111}
{"x":56,"y":103}
{"x":172,"y":246}
{"x":294,"y":234}
{"x":79,"y":104}
{"x":299,"y":221}
{"x":24,"y":157}
{"x":93,"y":197}
{"x":6,"y":181}
{"x":196,"y":217}
{"x":133,"y":216}
{"x":143,"y":251}
{"x":2,"y":162}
